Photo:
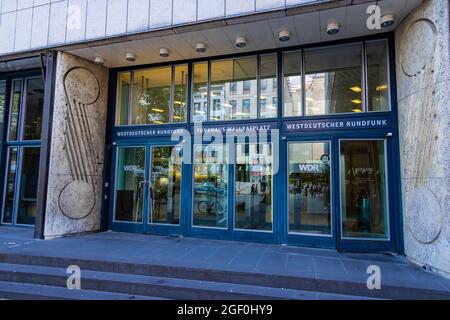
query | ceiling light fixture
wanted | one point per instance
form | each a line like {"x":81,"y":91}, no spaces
{"x":387,"y":20}
{"x":200,"y":47}
{"x":356,"y":89}
{"x":164,"y":52}
{"x":284,"y":35}
{"x":130,"y":56}
{"x":99,"y":60}
{"x":241,"y":42}
{"x":333,"y":28}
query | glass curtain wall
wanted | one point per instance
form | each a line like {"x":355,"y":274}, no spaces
{"x":23,"y":150}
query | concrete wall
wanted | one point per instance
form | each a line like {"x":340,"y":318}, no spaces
{"x":76,"y":156}
{"x":423,"y":80}
{"x":28,"y":24}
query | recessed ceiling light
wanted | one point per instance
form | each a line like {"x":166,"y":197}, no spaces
{"x":99,"y":61}
{"x":130,"y":56}
{"x":357,"y":101}
{"x":387,"y":20}
{"x":241,"y":42}
{"x":284,"y":35}
{"x":356,"y":89}
{"x":164,"y":52}
{"x":333,"y":28}
{"x":200,"y":47}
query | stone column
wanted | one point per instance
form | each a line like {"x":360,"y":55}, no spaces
{"x":423,"y":84}
{"x":77,"y":143}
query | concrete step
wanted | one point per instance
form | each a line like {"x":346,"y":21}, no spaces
{"x":129,"y":285}
{"x":29,"y":291}
{"x":335,"y":286}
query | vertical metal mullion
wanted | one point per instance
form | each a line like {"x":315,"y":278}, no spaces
{"x":208,"y":93}
{"x":303,"y":89}
{"x":130,"y":98}
{"x":364,"y":82}
{"x":17,"y":185}
{"x":258,"y":87}
{"x":172,"y":93}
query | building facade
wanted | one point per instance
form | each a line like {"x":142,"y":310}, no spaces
{"x":307,"y":123}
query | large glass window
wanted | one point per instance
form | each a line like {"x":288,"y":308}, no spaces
{"x":200,"y":92}
{"x":333,"y":80}
{"x":151,"y":96}
{"x":180,"y":92}
{"x":268,"y":81}
{"x":364,"y":205}
{"x":377,"y":75}
{"x":16,"y":101}
{"x":165,"y":188}
{"x":309,"y":188}
{"x":158,"y":96}
{"x":26,"y":102}
{"x":33,"y":109}
{"x":210,"y":186}
{"x":225,"y":74}
{"x":292,"y":84}
{"x":123,"y":98}
{"x":130,"y":184}
{"x":253,"y":187}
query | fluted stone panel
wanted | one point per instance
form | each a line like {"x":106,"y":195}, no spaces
{"x":423,"y":84}
{"x":76,"y":158}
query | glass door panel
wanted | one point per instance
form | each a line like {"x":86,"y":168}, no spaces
{"x":253,"y":187}
{"x":28,"y":186}
{"x":130,"y":183}
{"x":309,"y":183}
{"x":364,"y":204}
{"x":210,"y":190}
{"x":8,"y":205}
{"x":165,"y":185}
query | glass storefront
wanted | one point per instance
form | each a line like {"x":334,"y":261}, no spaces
{"x":290,"y":173}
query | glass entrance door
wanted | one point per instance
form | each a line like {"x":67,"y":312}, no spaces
{"x":147,"y":193}
{"x":310,"y":217}
{"x":364,"y":202}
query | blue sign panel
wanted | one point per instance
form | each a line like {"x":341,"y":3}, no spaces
{"x":237,"y":128}
{"x":337,"y":124}
{"x":140,"y":132}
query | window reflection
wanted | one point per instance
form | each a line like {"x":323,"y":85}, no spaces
{"x":268,"y":85}
{"x":309,"y":187}
{"x":130,"y":184}
{"x":28,"y":186}
{"x":333,"y":79}
{"x":123,"y":98}
{"x":377,"y":78}
{"x":200,"y":92}
{"x":8,"y":205}
{"x":363,"y":189}
{"x":2,"y":108}
{"x":234,"y":79}
{"x":165,"y":185}
{"x":15,"y":109}
{"x":210,"y":186}
{"x":151,"y":96}
{"x":253,"y":190}
{"x":292,"y":82}
{"x":33,"y":109}
{"x":180,"y":93}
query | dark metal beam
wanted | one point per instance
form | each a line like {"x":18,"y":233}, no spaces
{"x":47,"y":119}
